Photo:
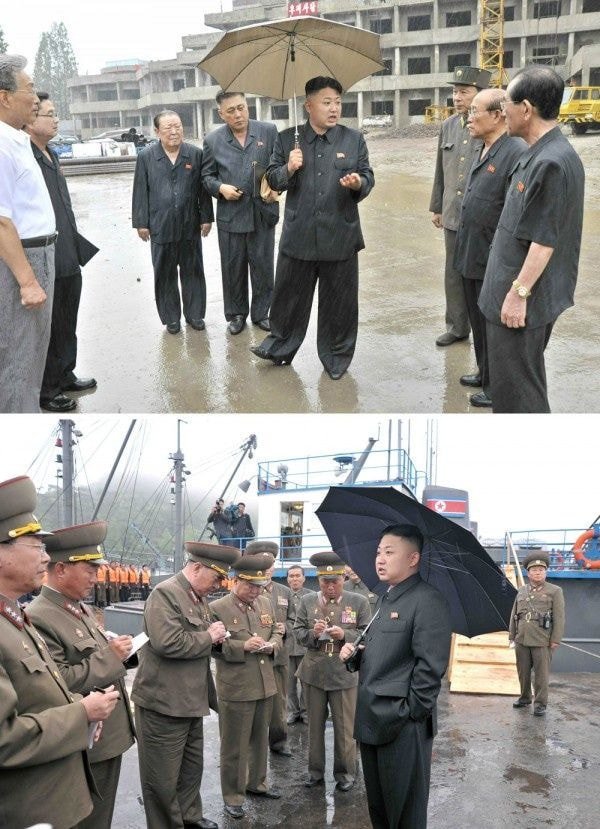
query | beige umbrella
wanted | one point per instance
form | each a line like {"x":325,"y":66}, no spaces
{"x":273,"y":58}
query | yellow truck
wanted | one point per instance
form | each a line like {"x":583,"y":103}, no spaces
{"x":580,"y":108}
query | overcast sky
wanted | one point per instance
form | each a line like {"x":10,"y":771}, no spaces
{"x":521,"y":472}
{"x":107,"y":30}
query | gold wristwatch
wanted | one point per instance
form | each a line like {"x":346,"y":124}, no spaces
{"x":521,"y":290}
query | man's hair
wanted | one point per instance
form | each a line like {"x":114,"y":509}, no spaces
{"x":542,"y":87}
{"x":407,"y":531}
{"x":322,"y":82}
{"x":43,"y":96}
{"x":241,"y":504}
{"x":296,"y":567}
{"x":10,"y":66}
{"x":163,"y":114}
{"x":223,"y":96}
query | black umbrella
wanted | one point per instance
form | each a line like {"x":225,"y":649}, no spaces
{"x":479,"y":594}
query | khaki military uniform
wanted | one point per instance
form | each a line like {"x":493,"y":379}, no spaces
{"x":44,"y":773}
{"x":280,"y":597}
{"x":361,"y":588}
{"x":532,"y":640}
{"x":171,"y":691}
{"x":296,"y":702}
{"x":328,"y":682}
{"x":245,"y":689}
{"x":80,"y":649}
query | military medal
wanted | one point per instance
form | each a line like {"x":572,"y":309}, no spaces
{"x":266,"y":620}
{"x":79,"y":633}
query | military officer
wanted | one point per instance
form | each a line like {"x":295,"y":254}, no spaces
{"x":246,"y":685}
{"x":85,"y":657}
{"x":280,"y":597}
{"x":353,"y":584}
{"x":44,"y":728}
{"x":296,"y":702}
{"x":537,"y":624}
{"x":173,"y":688}
{"x":325,"y":621}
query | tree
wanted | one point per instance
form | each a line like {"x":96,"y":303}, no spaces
{"x":3,"y":43}
{"x":55,"y":64}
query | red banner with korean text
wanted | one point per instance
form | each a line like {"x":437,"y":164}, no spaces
{"x":300,"y":9}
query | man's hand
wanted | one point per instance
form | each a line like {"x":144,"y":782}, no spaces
{"x":514,"y":310}
{"x":280,"y":628}
{"x":437,"y":220}
{"x":255,"y":643}
{"x":347,"y":651}
{"x":319,"y":626}
{"x":230,"y":192}
{"x":32,"y":294}
{"x":99,"y":705}
{"x":336,"y":632}
{"x":121,"y":647}
{"x":554,"y":645}
{"x":295,"y":160}
{"x":217,"y":632}
{"x":352,"y":181}
{"x":205,"y":229}
{"x":143,"y":233}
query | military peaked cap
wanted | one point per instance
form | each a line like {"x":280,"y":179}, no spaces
{"x":17,"y":502}
{"x":329,"y":565}
{"x":218,"y":557}
{"x":471,"y":76}
{"x":82,"y":542}
{"x":536,"y":559}
{"x":270,"y":547}
{"x":253,"y":568}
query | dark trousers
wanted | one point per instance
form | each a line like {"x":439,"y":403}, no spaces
{"x":472,"y":288}
{"x":106,"y":776}
{"x":397,"y":778}
{"x":241,"y":252}
{"x":457,"y":317}
{"x":278,"y":730}
{"x":185,"y":255}
{"x":517,"y":368}
{"x":337,"y":326}
{"x":62,"y":349}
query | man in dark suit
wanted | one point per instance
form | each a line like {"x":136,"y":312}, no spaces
{"x":401,"y":666}
{"x":173,"y":210}
{"x":235,"y":158}
{"x":326,"y":175}
{"x":71,"y":252}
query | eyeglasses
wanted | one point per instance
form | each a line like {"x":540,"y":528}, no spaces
{"x":474,"y":112}
{"x":508,"y":101}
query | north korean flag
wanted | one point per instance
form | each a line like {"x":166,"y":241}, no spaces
{"x":446,"y":507}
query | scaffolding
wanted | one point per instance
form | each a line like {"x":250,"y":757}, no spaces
{"x":491,"y":41}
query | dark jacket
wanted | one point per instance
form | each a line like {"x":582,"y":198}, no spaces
{"x":225,"y":161}
{"x":321,"y":221}
{"x":169,"y":198}
{"x":404,"y":660}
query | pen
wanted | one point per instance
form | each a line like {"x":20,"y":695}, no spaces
{"x":100,"y":690}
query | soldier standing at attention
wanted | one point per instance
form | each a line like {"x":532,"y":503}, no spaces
{"x":325,"y":621}
{"x":353,"y":584}
{"x":85,"y":658}
{"x":296,"y":703}
{"x":456,"y":154}
{"x":246,"y":686}
{"x":537,"y":624}
{"x":173,"y":688}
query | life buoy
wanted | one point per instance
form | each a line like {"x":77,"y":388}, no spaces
{"x":578,"y":550}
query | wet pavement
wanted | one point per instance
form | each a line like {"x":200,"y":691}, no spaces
{"x":397,"y":367}
{"x":493,"y":767}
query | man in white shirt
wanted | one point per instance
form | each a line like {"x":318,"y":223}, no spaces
{"x":27,"y":234}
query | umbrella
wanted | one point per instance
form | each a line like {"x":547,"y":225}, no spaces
{"x":272,"y":58}
{"x":479,"y":594}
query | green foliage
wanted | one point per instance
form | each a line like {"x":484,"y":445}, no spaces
{"x":3,"y":43}
{"x":55,"y":64}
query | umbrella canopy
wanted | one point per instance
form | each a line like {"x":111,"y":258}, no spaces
{"x":479,"y":594}
{"x":275,"y":59}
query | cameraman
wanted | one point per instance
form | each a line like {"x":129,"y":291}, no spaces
{"x":221,"y":526}
{"x":242,"y":529}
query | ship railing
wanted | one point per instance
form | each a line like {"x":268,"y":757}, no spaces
{"x":293,"y":548}
{"x":558,"y":544}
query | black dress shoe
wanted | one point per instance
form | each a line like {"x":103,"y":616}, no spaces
{"x":203,"y":823}
{"x":272,"y":794}
{"x":259,"y":351}
{"x":284,"y":751}
{"x":264,"y":324}
{"x":335,"y":373}
{"x":448,"y":339}
{"x":236,"y":325}
{"x":539,"y":710}
{"x":80,"y":384}
{"x":472,"y":380}
{"x":197,"y":325}
{"x":234,"y":811}
{"x":344,"y":786}
{"x":174,"y":327}
{"x":521,"y":703}
{"x":292,"y":719}
{"x":60,"y":403}
{"x":480,"y":400}
{"x":314,"y":781}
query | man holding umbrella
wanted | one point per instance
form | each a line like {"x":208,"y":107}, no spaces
{"x":326,"y":172}
{"x":404,"y":658}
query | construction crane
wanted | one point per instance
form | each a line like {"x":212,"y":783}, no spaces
{"x":491,"y":41}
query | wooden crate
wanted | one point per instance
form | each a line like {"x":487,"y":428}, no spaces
{"x":483,"y":665}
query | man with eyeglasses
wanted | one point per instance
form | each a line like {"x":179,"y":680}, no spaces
{"x":235,"y":157}
{"x":532,"y":267}
{"x":44,"y":728}
{"x":481,"y":207}
{"x":72,"y":251}
{"x":456,"y":152}
{"x":27,"y":236}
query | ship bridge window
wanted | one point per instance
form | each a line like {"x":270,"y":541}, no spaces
{"x":292,"y":522}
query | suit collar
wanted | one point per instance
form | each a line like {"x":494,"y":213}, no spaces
{"x":330,"y":135}
{"x":399,"y":589}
